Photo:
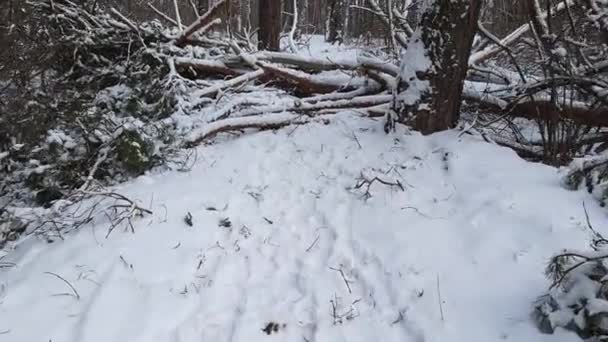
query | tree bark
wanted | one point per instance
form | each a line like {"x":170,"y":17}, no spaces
{"x":270,"y":25}
{"x":435,"y":65}
{"x":335,"y":12}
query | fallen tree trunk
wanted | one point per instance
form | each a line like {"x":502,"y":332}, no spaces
{"x":269,"y":121}
{"x":302,"y":82}
{"x":577,"y":112}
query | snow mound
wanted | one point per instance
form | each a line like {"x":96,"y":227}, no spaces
{"x":292,"y":239}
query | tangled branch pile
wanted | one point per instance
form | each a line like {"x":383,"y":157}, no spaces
{"x":93,"y":98}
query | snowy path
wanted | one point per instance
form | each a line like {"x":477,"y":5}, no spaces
{"x":474,"y":226}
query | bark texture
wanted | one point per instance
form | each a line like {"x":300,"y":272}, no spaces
{"x":335,"y":20}
{"x":270,"y":25}
{"x":446,"y":33}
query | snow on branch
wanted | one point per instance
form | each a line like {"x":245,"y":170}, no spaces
{"x":201,"y":22}
{"x":399,"y":36}
{"x":492,"y":50}
{"x":268,"y":121}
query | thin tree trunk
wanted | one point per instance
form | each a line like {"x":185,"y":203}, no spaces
{"x":270,"y":24}
{"x":335,"y":21}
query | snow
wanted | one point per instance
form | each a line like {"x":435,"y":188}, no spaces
{"x":317,"y":47}
{"x":414,"y":60}
{"x":458,"y":255}
{"x":60,"y":138}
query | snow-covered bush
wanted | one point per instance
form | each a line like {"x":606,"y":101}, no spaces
{"x":88,"y":102}
{"x":590,"y":172}
{"x":100,"y":97}
{"x":578,"y":298}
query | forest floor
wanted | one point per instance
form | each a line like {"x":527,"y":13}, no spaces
{"x":319,"y":232}
{"x":455,"y":251}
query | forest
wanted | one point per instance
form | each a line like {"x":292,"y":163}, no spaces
{"x":98,"y":97}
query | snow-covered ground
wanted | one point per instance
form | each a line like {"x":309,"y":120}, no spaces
{"x":458,"y":255}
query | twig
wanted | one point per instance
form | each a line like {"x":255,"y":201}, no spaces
{"x":356,"y":140}
{"x":75,"y":294}
{"x":422,"y":214}
{"x":399,"y":319}
{"x":598,"y":238}
{"x":338,"y":318}
{"x":439,"y":298}
{"x":334,"y":310}
{"x":313,"y":243}
{"x":365,"y":181}
{"x":103,"y":155}
{"x":586,"y":259}
{"x":124,"y":261}
{"x":343,"y":278}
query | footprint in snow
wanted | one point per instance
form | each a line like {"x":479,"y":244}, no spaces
{"x":273,"y":327}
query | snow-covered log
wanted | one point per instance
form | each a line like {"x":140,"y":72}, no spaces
{"x":268,"y":121}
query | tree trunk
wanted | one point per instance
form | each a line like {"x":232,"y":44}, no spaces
{"x":203,"y":6}
{"x":435,"y":64}
{"x":335,"y":19}
{"x":270,"y":25}
{"x":288,"y":17}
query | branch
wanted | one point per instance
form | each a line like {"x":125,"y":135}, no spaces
{"x":503,"y":47}
{"x":194,"y":8}
{"x":268,"y":121}
{"x":125,"y":20}
{"x":201,"y":22}
{"x":178,"y":17}
{"x":493,"y":50}
{"x":103,"y":155}
{"x":300,"y":106}
{"x":402,"y":21}
{"x":302,"y":81}
{"x":248,"y":77}
{"x":400,"y":37}
{"x":164,"y":16}
{"x":294,"y":26}
{"x":74,"y":292}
